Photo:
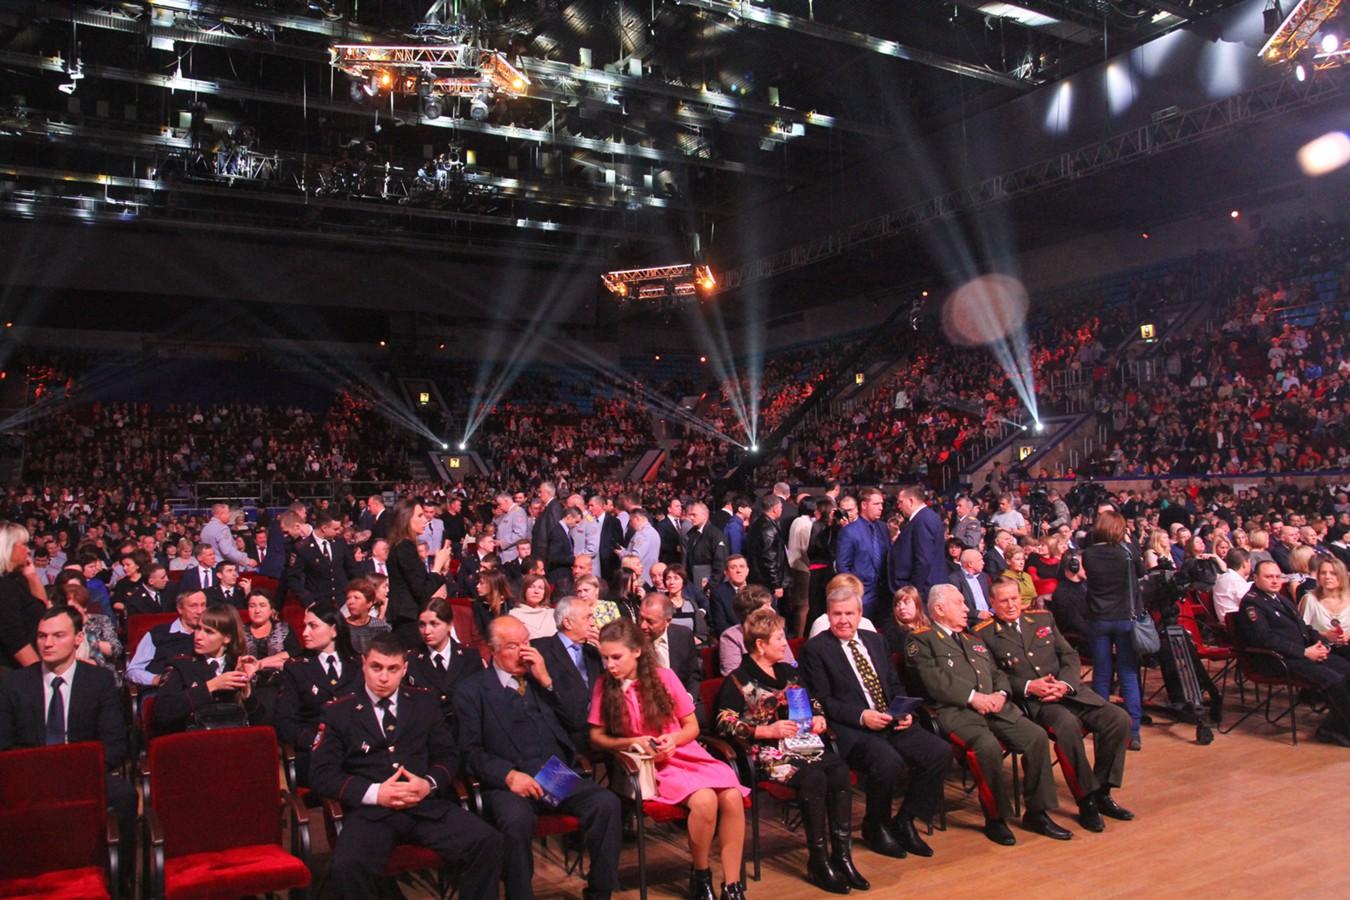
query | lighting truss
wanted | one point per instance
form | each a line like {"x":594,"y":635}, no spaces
{"x":1297,"y":31}
{"x":660,"y":282}
{"x":1187,"y":127}
{"x":456,"y":70}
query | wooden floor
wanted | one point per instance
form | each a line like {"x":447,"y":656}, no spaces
{"x":1247,"y":816}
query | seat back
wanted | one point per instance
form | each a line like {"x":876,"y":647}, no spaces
{"x":795,"y":645}
{"x":214,"y":790}
{"x":708,"y":658}
{"x":52,"y":809}
{"x":139,"y":625}
{"x":708,"y":692}
{"x":294,"y":614}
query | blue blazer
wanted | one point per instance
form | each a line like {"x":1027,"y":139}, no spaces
{"x":861,"y":551}
{"x":917,"y":556}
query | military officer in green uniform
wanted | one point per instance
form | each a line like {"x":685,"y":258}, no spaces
{"x":1045,"y":674}
{"x":972,"y":698}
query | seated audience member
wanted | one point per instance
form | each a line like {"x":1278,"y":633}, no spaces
{"x":214,"y":678}
{"x":1233,"y":584}
{"x":229,"y":588}
{"x":1269,"y":620}
{"x":587,"y":588}
{"x":166,"y":641}
{"x":624,"y":590}
{"x":843,"y":579}
{"x":731,"y":645}
{"x":638,"y":698}
{"x":1044,"y":564}
{"x":183,"y":560}
{"x":672,"y":645}
{"x":906,"y":615}
{"x":1046,"y":675}
{"x":155,"y":594}
{"x":443,"y":660}
{"x":691,"y":603}
{"x":971,"y":695}
{"x":1018,"y":574}
{"x":573,"y":664}
{"x":1302,"y":559}
{"x":387,"y":755}
{"x":533,"y":610}
{"x":849,"y":672}
{"x":134,"y":564}
{"x":91,"y":567}
{"x":753,"y":708}
{"x":493,"y":599}
{"x":973,"y":584}
{"x":328,"y":669}
{"x":510,"y":726}
{"x":722,"y":597}
{"x":1199,"y":567}
{"x":272,"y":643}
{"x":1068,"y":604}
{"x":1326,"y":608}
{"x":101,"y":645}
{"x":60,"y":701}
{"x":362,"y":624}
{"x":199,"y":576}
{"x":484,"y":556}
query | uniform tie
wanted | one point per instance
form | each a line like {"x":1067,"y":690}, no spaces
{"x":332,"y":672}
{"x":439,"y":662}
{"x":387,"y":716}
{"x":323,"y":546}
{"x":869,"y":676}
{"x":56,"y":714}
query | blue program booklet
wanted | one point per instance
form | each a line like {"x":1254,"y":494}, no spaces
{"x":903,"y":706}
{"x":557,"y":780}
{"x":799,"y":707}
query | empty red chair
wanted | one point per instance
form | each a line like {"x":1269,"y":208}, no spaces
{"x":59,"y":841}
{"x":215,"y":817}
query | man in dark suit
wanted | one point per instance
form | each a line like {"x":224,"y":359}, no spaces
{"x":227,"y":590}
{"x":378,"y":561}
{"x":766,"y":548}
{"x":64,"y":701}
{"x":972,"y":698}
{"x":573,"y":664}
{"x":669,"y":528}
{"x":918,"y":557}
{"x":558,"y":553}
{"x":611,"y":537}
{"x":1046,"y":675}
{"x":549,"y":514}
{"x":455,"y":525}
{"x":996,"y":560}
{"x":705,"y":548}
{"x":374,"y":522}
{"x":722,"y":597}
{"x":203,"y":574}
{"x":849,"y":672}
{"x":509,"y":728}
{"x":323,"y":564}
{"x":673,"y":645}
{"x":387,"y":754}
{"x":1268,"y":620}
{"x":155,"y":593}
{"x":445,"y":659}
{"x":974,"y":585}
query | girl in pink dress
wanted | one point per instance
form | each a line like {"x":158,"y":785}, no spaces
{"x":639,"y":702}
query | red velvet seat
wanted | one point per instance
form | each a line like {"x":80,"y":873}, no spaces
{"x":141,"y":623}
{"x":294,"y":614}
{"x":215,"y":817}
{"x":56,"y":837}
{"x":708,"y":656}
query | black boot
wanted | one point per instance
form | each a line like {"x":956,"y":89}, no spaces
{"x":700,"y":885}
{"x":733,"y":891}
{"x":818,"y":869}
{"x":841,"y":840}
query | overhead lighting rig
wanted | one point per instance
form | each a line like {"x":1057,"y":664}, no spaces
{"x":431,"y":72}
{"x":1310,"y":39}
{"x":656,"y":283}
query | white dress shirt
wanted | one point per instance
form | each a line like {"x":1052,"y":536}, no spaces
{"x":852,"y":664}
{"x":67,"y":678}
{"x":145,"y":654}
{"x":326,"y":658}
{"x":661,"y":647}
{"x":1229,"y":589}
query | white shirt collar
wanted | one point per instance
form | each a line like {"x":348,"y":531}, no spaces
{"x":324,"y":659}
{"x":506,"y":679}
{"x":393,"y":700}
{"x":67,"y":676}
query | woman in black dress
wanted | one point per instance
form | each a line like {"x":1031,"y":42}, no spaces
{"x":22,"y":598}
{"x":411,"y":583}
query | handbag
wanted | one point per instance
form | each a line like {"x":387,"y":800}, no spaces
{"x":646,"y":771}
{"x":1143,"y":633}
{"x":218,"y":714}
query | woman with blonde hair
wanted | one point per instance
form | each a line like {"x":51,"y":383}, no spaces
{"x":1326,"y":606}
{"x":22,"y":598}
{"x":1158,"y":553}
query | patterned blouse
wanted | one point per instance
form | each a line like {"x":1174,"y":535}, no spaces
{"x":751,"y":698}
{"x":98,"y":627}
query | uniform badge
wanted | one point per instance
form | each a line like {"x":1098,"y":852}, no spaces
{"x":365,"y":748}
{"x":951,"y":662}
{"x":314,"y":689}
{"x":318,"y":737}
{"x":1043,"y":632}
{"x":978,"y":648}
{"x":1251,"y":613}
{"x":912,"y":650}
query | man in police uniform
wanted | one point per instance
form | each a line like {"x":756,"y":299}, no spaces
{"x":971,"y":695}
{"x":1268,"y":620}
{"x":1045,"y":674}
{"x":387,"y":754}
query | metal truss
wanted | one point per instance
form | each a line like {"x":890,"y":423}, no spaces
{"x":660,"y":282}
{"x":1298,"y":29}
{"x":1267,"y":101}
{"x":459,"y":70}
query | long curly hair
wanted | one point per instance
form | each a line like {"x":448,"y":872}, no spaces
{"x":658,"y":707}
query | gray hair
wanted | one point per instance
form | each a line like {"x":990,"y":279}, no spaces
{"x":840,"y":594}
{"x":562,"y":608}
{"x":505,"y":496}
{"x":938,"y":592}
{"x":11,"y":535}
{"x":667,"y":607}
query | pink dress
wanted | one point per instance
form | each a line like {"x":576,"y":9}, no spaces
{"x":691,"y":768}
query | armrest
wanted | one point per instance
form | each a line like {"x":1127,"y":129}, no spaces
{"x":721,"y":748}
{"x":114,"y":857}
{"x":300,"y":839}
{"x":143,"y":775}
{"x":134,"y":698}
{"x":469,"y":791}
{"x":288,"y":764}
{"x":154,"y":854}
{"x":585,"y":766}
{"x":332,"y":817}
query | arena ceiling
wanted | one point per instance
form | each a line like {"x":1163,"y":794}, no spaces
{"x":623,"y":132}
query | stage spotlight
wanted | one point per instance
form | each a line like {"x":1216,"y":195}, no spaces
{"x":754,"y":448}
{"x":1235,"y":214}
{"x":479,"y":108}
{"x":1024,"y":428}
{"x":703,"y":359}
{"x":1040,"y":427}
{"x":444,"y":445}
{"x":1325,"y":154}
{"x":1332,"y":36}
{"x":432,"y":107}
{"x":463,"y":445}
{"x":386,"y":79}
{"x":1272,"y":16}
{"x":1144,"y":235}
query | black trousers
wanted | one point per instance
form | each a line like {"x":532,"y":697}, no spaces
{"x":601,"y":822}
{"x":458,"y":837}
{"x":122,"y":799}
{"x":889,"y":758}
{"x":1332,"y":676}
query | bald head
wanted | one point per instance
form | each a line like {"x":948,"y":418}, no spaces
{"x":972,"y":561}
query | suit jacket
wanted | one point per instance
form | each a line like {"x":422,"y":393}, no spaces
{"x":950,"y":667}
{"x":273,"y":563}
{"x":963,"y":585}
{"x":422,"y":672}
{"x":556,"y":550}
{"x":216,"y":595}
{"x":493,"y":739}
{"x":551,"y":513}
{"x":410,"y":584}
{"x":305,"y":690}
{"x":378,"y":527}
{"x":511,"y":527}
{"x":191,"y":580}
{"x":315,"y":578}
{"x":672,"y":549}
{"x":766,"y":551}
{"x":352,"y":751}
{"x":184,"y":692}
{"x":572,"y":693}
{"x":721,"y":607}
{"x":830,"y":679}
{"x":720,"y":518}
{"x":706,"y":546}
{"x":735,"y":532}
{"x":611,"y":539}
{"x":918,"y":557}
{"x":366,"y":568}
{"x":861,"y":550}
{"x":995,"y":564}
{"x":94,"y":714}
{"x":686,"y":662}
{"x":143,"y":600}
{"x":1033,"y":649}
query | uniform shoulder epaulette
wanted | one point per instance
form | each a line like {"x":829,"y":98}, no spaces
{"x":294,"y":660}
{"x":1035,"y":612}
{"x":924,"y":629}
{"x":412,"y":689}
{"x":985,"y":624}
{"x":343,"y":699}
{"x":182,"y":657}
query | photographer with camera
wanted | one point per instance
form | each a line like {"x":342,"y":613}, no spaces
{"x":1112,"y":588}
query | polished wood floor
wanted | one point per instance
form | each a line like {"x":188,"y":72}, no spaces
{"x":1247,"y":816}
